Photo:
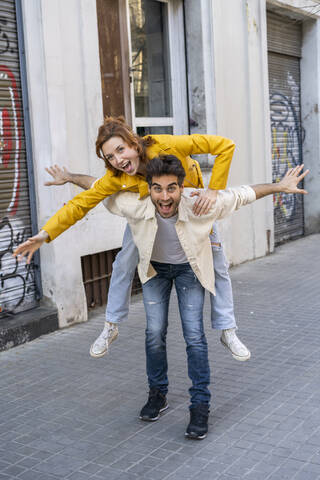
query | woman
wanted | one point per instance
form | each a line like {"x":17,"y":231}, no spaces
{"x":125,"y":155}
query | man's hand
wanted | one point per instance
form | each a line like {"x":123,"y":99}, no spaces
{"x":288,"y":184}
{"x":204,"y":202}
{"x":30,"y":246}
{"x":60,"y":175}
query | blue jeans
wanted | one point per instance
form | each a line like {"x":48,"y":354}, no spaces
{"x":222,"y":309}
{"x":156,"y":296}
{"x":222,"y":314}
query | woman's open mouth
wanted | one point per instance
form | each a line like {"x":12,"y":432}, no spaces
{"x":127,"y":167}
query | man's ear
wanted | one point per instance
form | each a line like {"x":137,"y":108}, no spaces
{"x":182,"y":188}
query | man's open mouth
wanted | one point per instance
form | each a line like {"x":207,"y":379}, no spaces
{"x":165,"y":207}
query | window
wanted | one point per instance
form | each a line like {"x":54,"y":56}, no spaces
{"x":158,"y":74}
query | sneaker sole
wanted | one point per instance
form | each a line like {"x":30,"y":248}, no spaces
{"x":148,"y":419}
{"x":194,"y":436}
{"x":102,"y":354}
{"x":236,"y":357}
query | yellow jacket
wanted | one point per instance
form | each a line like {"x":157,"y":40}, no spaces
{"x":182,"y":146}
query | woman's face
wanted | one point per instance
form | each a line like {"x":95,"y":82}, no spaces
{"x":121,"y":156}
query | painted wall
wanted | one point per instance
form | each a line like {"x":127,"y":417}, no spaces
{"x":66,"y":109}
{"x":200,"y":66}
{"x":18,"y":290}
{"x":242,"y":113}
{"x":310,"y":101}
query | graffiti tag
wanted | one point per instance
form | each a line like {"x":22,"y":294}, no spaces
{"x":15,"y":278}
{"x":286,"y":147}
{"x":10,"y":141}
{"x":4,"y":39}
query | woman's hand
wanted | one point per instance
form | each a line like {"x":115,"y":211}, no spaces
{"x":30,"y":246}
{"x":205,"y":201}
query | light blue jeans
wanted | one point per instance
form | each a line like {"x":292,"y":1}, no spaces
{"x":124,"y":266}
{"x":156,"y":296}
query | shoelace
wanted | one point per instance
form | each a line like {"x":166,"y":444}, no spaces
{"x":107,"y":333}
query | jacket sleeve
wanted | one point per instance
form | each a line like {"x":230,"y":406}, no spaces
{"x":79,"y":206}
{"x":232,"y":199}
{"x":126,"y":204}
{"x":222,"y":147}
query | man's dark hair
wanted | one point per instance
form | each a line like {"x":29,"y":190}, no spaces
{"x":165,"y":165}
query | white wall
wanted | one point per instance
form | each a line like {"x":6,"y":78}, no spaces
{"x":64,"y":86}
{"x":310,"y":101}
{"x":242,"y":113}
{"x":63,"y":69}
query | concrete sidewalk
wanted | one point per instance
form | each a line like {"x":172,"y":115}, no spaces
{"x":64,"y":415}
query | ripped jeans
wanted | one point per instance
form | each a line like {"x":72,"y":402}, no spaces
{"x":123,"y":269}
{"x":156,"y":296}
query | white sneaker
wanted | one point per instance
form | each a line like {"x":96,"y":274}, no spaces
{"x":230,"y":340}
{"x":101,"y":344}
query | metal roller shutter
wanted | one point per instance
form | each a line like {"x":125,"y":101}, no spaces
{"x":284,"y":45}
{"x":18,"y":290}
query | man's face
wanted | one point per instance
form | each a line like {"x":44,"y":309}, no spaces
{"x":166,"y":194}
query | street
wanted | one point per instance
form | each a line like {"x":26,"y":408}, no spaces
{"x":65,"y":415}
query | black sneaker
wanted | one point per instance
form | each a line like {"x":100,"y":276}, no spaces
{"x":156,"y":404}
{"x":198,"y":425}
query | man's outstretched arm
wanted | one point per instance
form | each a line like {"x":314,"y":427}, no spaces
{"x":288,"y":184}
{"x":62,"y":175}
{"x":233,"y":198}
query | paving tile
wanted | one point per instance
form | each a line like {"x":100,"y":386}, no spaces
{"x":33,"y":475}
{"x":80,"y":476}
{"x":107,"y":473}
{"x":60,"y":465}
{"x":156,"y":474}
{"x":91,"y":468}
{"x":14,"y":470}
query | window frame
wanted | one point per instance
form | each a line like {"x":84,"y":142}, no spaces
{"x":179,"y":121}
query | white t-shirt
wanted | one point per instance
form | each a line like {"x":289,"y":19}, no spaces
{"x":167,"y":247}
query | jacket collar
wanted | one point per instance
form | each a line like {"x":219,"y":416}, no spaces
{"x":183,"y":210}
{"x":150,"y":211}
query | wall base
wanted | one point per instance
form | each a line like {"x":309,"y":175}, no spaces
{"x":27,"y":326}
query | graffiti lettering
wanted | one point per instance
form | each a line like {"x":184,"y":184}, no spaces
{"x":17,"y":279}
{"x":10,"y":141}
{"x":286,"y":147}
{"x":3,"y":36}
{"x":17,"y":282}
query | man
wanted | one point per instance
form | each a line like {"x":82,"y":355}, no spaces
{"x":222,"y":311}
{"x":174,"y":246}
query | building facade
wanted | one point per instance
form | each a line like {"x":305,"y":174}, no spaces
{"x":247,"y":70}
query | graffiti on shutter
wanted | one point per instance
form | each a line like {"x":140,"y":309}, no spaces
{"x":284,"y":44}
{"x":17,"y":283}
